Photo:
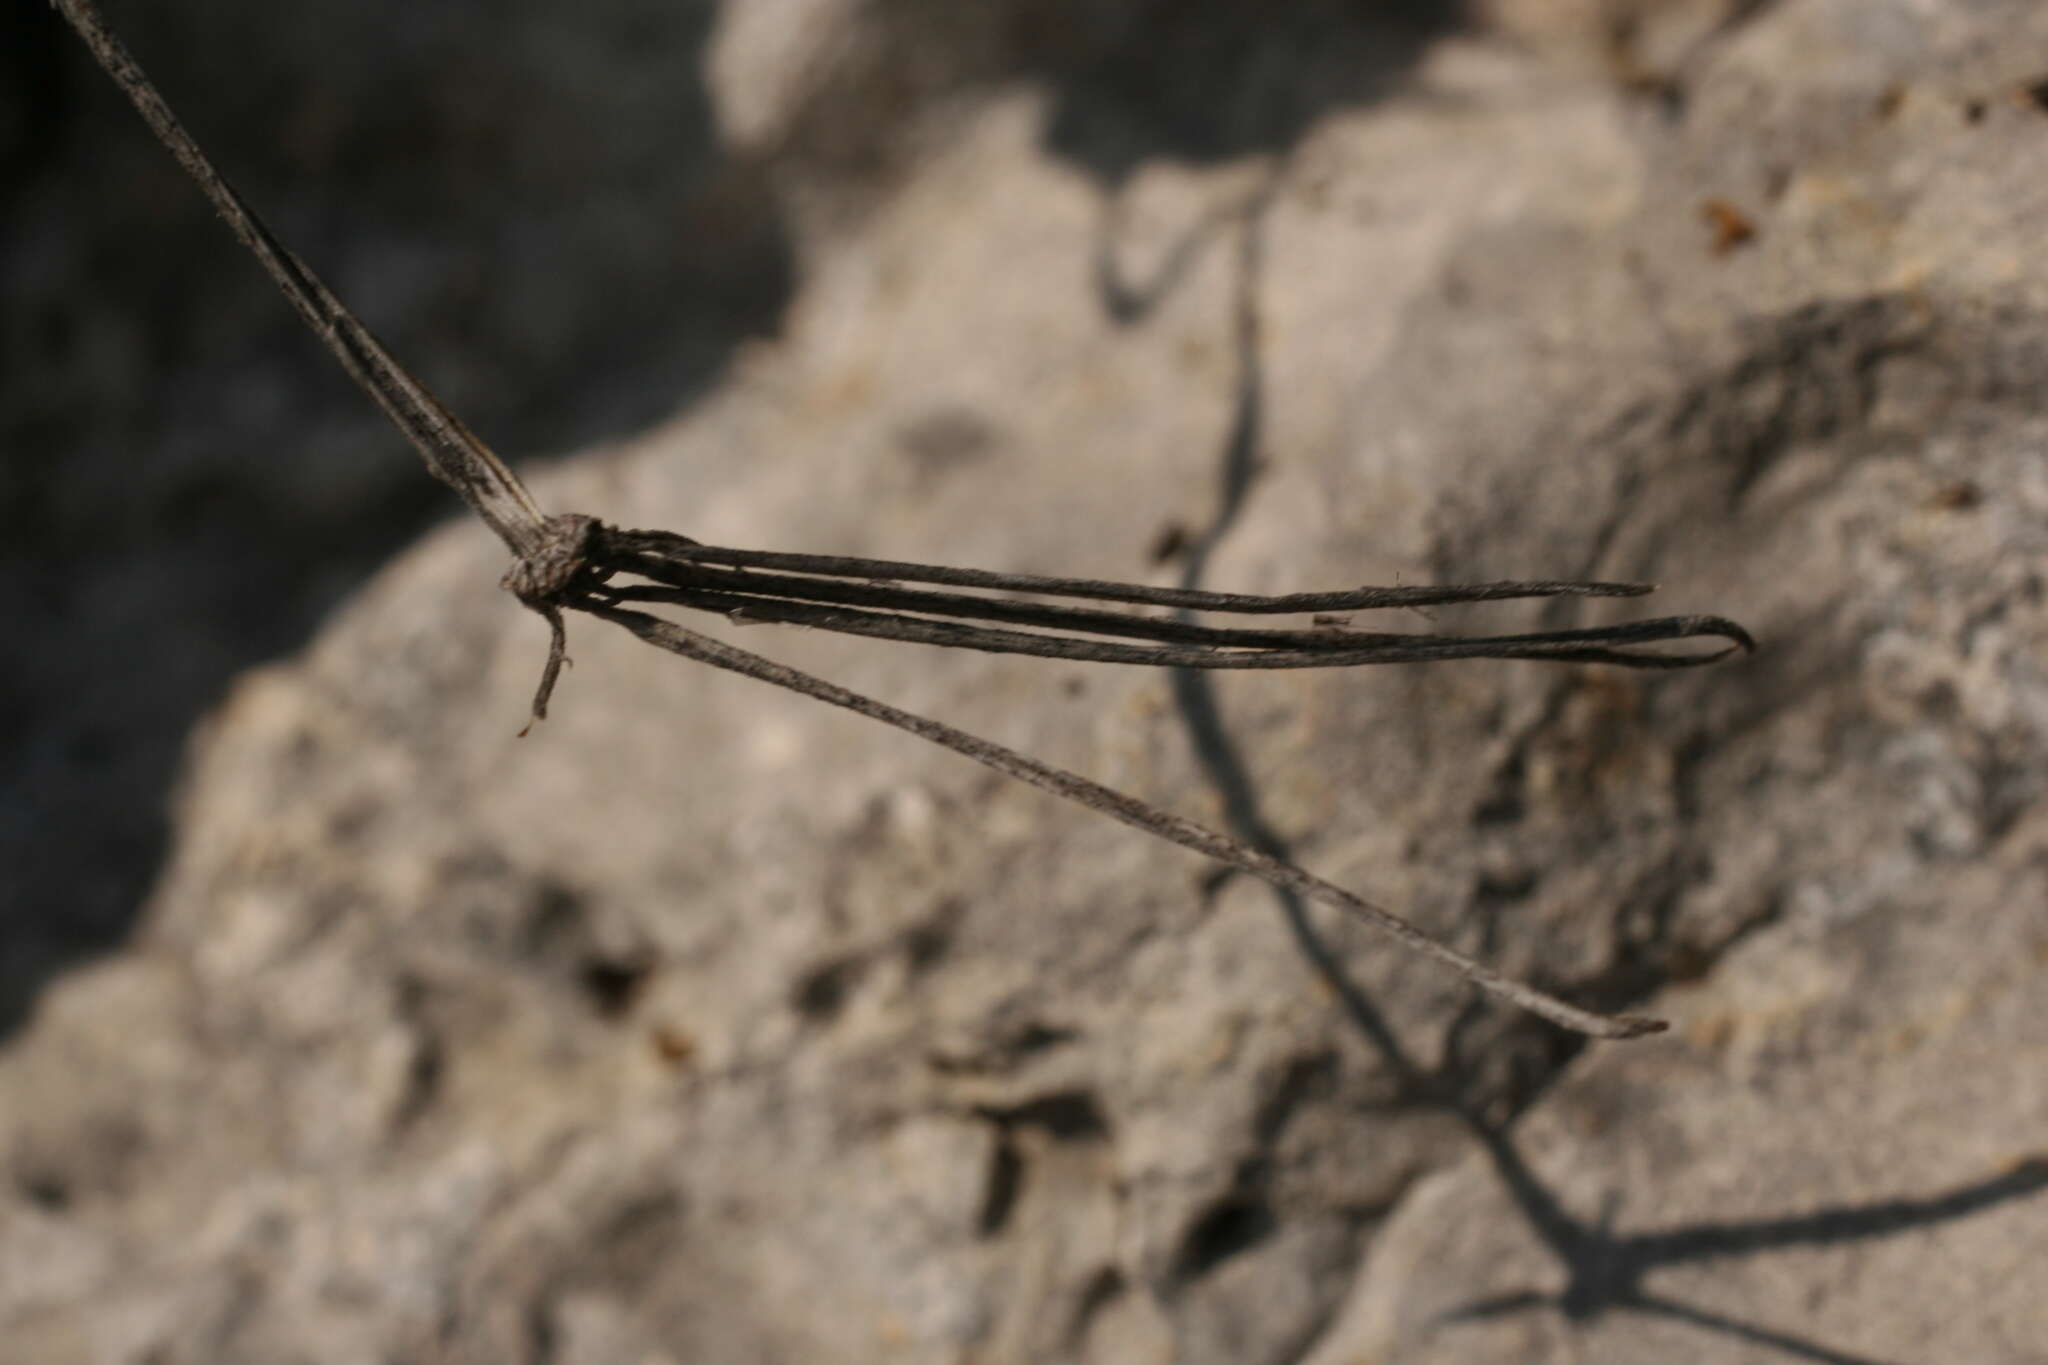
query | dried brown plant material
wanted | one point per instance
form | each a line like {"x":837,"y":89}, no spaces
{"x":572,"y":562}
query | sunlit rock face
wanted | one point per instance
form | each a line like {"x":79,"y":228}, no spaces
{"x":708,"y":1024}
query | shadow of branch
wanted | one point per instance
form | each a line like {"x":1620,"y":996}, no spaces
{"x":1604,"y":1272}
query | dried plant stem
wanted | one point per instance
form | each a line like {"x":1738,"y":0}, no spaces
{"x":1251,"y":649}
{"x":566,"y":562}
{"x":1130,"y":811}
{"x":642,"y":547}
{"x":867,"y":597}
{"x":454,"y":455}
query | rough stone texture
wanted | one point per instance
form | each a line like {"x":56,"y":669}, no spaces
{"x":708,"y":1025}
{"x":1834,"y":1160}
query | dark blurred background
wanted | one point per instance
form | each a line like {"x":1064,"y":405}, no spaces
{"x":533,"y":206}
{"x":527,"y":202}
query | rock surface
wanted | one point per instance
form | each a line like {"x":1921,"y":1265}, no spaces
{"x":706,"y":1024}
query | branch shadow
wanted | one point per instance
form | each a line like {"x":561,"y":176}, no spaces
{"x":1198,"y":83}
{"x":1604,"y":1272}
{"x":1195,"y":83}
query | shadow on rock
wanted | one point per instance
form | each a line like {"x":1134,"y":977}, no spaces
{"x":535,"y":213}
{"x":1200,"y":83}
{"x":1604,"y":1272}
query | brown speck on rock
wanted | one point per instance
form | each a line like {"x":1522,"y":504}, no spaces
{"x":1732,"y":227}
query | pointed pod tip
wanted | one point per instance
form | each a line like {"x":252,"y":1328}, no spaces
{"x":1735,"y":634}
{"x":1727,"y":630}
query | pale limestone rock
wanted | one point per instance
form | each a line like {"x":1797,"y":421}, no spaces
{"x":707,"y":1024}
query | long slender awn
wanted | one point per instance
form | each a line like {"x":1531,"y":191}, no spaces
{"x":568,"y":562}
